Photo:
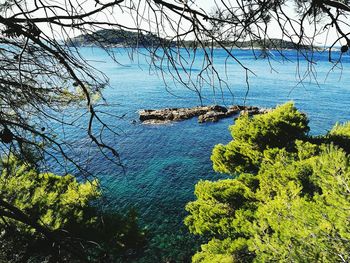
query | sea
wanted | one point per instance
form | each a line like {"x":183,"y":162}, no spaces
{"x":163,"y":163}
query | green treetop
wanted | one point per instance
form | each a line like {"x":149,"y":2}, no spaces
{"x":289,"y":200}
{"x":252,"y":136}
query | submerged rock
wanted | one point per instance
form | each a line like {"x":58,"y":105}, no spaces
{"x":211,"y":113}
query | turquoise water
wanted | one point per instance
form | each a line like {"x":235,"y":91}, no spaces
{"x":164,"y":162}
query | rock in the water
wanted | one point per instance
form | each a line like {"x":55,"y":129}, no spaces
{"x":205,"y":113}
{"x":254,"y":110}
{"x":232,"y":110}
{"x":218,"y":108}
{"x":212,"y":116}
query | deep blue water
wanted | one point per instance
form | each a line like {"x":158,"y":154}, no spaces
{"x":164,"y":162}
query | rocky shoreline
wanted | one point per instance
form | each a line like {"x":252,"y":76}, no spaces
{"x":211,"y":113}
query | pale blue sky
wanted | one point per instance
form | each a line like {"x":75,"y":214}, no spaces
{"x":117,"y":15}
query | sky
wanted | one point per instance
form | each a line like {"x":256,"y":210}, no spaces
{"x":126,"y":18}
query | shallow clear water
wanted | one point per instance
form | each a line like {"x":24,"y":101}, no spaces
{"x":164,"y":162}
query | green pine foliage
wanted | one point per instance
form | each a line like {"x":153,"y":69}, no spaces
{"x":289,"y":200}
{"x":67,"y":209}
{"x":252,"y":136}
{"x":51,"y":199}
{"x":341,"y":130}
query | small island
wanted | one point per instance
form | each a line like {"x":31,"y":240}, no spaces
{"x":212,"y":113}
{"x":117,"y":38}
{"x":126,"y":38}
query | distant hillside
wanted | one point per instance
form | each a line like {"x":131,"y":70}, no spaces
{"x":271,"y":44}
{"x":123,"y":38}
{"x":258,"y":44}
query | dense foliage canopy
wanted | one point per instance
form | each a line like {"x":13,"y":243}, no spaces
{"x":289,"y":198}
{"x":46,"y":216}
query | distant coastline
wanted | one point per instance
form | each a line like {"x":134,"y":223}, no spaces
{"x":121,"y":38}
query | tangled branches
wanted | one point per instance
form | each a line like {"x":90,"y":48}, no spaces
{"x":41,"y":73}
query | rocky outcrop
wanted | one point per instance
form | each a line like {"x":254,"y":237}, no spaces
{"x":205,"y":113}
{"x":254,"y":110}
{"x":219,"y":113}
{"x":212,"y":116}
